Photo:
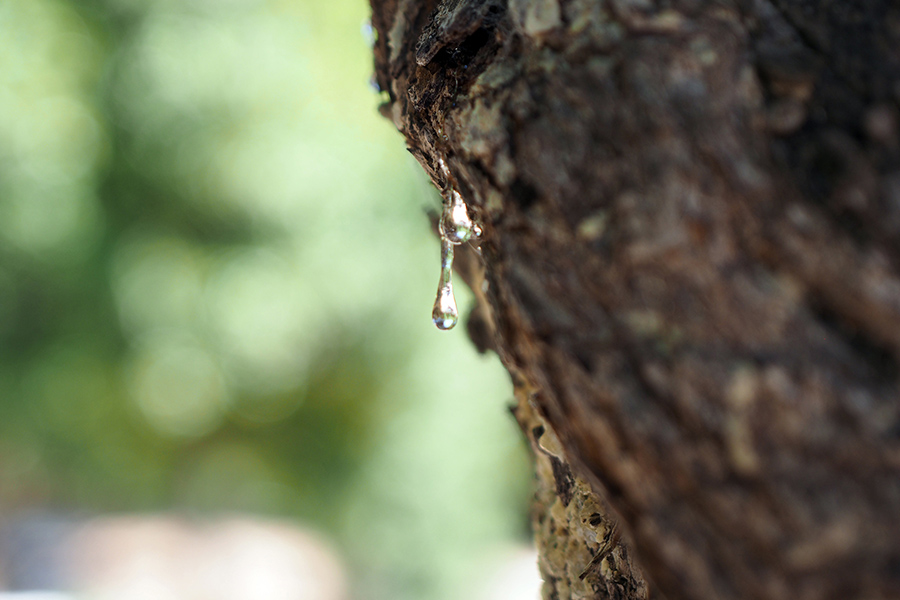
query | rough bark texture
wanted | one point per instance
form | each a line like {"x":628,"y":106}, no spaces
{"x":580,"y":553}
{"x":692,"y":250}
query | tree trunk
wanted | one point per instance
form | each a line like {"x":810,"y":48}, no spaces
{"x":691,"y":215}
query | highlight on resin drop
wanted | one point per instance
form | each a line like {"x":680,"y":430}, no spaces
{"x":456,"y":225}
{"x":444,"y":314}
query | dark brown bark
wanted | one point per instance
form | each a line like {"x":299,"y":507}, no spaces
{"x":692,"y":245}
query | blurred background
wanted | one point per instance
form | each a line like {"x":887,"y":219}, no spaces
{"x":218,"y":373}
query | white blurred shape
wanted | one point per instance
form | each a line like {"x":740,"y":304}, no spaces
{"x":516,"y":578}
{"x":34,"y":595}
{"x":267,"y":561}
{"x":137,"y":558}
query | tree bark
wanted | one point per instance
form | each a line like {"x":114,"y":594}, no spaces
{"x":691,"y":249}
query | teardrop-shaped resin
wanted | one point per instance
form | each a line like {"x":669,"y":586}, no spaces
{"x":445,"y":314}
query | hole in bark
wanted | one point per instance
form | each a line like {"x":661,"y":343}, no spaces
{"x":474,"y":42}
{"x":461,"y":55}
{"x":523,"y":193}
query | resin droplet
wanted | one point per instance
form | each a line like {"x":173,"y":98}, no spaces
{"x":456,"y":225}
{"x":445,"y":315}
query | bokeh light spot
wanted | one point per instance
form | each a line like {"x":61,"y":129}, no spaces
{"x":157,"y":282}
{"x":264,"y":320}
{"x":177,"y":386}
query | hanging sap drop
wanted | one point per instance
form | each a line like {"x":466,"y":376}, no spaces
{"x":456,"y":225}
{"x":444,"y":314}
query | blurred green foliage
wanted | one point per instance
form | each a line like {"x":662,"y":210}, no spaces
{"x":215,"y":289}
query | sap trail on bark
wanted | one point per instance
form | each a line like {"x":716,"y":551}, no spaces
{"x":691,"y":215}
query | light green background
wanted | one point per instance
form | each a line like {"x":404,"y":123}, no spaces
{"x":216,"y":277}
